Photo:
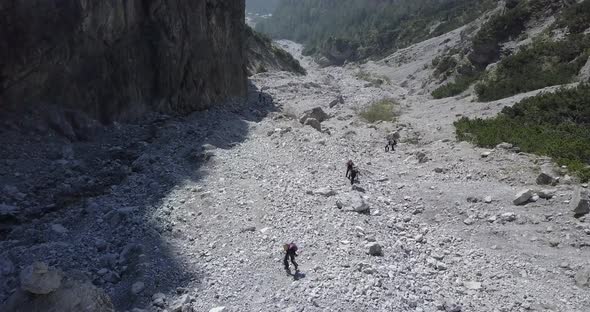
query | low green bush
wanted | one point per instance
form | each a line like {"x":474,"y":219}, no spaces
{"x":576,"y":18}
{"x":552,"y":124}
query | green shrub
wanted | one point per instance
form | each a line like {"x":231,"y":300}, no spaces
{"x":576,"y":18}
{"x":542,"y":64}
{"x":445,"y":65}
{"x":553,"y":124}
{"x":461,"y":84}
{"x":382,"y":110}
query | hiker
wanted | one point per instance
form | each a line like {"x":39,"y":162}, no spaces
{"x":290,"y":252}
{"x":259,"y":97}
{"x":349,"y":167}
{"x":391,"y":143}
{"x":353,"y":174}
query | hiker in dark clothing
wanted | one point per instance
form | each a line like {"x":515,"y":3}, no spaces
{"x":353,"y":174}
{"x":349,"y":167}
{"x":391,"y":143}
{"x":259,"y":97}
{"x":290,"y":252}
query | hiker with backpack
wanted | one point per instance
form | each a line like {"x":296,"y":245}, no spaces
{"x":349,"y":167}
{"x":391,"y":143}
{"x":290,"y":252}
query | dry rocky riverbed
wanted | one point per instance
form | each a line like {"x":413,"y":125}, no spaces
{"x":191,"y":213}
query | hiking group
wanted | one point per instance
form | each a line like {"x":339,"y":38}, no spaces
{"x":352,"y":172}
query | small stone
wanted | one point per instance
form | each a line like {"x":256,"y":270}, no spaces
{"x":178,"y":304}
{"x":472,"y":199}
{"x":314,"y":123}
{"x":159,"y":300}
{"x":217,"y":309}
{"x":419,"y":238}
{"x":546,"y":179}
{"x":487,"y":199}
{"x":547,"y":193}
{"x":523,"y":197}
{"x":100,"y":244}
{"x":324,"y":191}
{"x":137,"y":287}
{"x":439,"y":170}
{"x":508,"y":216}
{"x":472,"y":285}
{"x":554,"y":242}
{"x":374,"y":249}
{"x":582,"y":277}
{"x":248,"y":229}
{"x":580,"y":203}
{"x":469,"y":221}
{"x":112,"y":277}
{"x":58,"y":228}
{"x":564,"y":265}
{"x":505,"y":146}
{"x":486,"y":154}
{"x":358,"y":188}
{"x":40,"y":279}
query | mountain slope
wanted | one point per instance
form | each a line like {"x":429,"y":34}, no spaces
{"x":357,"y":29}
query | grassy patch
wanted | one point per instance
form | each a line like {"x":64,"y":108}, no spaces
{"x":382,"y":110}
{"x":541,"y":64}
{"x":553,"y":124}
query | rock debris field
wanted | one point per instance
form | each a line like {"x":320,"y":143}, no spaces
{"x":190,"y":214}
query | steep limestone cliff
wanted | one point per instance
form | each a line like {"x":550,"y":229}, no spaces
{"x":117,"y":59}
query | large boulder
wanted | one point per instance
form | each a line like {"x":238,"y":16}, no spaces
{"x":8,"y":212}
{"x":316,"y":113}
{"x":353,"y":202}
{"x":374,"y":249}
{"x":523,"y":197}
{"x":38,"y":293}
{"x":547,"y":179}
{"x":314,"y":123}
{"x":582,"y":277}
{"x":580,"y":203}
{"x":336,"y":101}
{"x":40,"y":279}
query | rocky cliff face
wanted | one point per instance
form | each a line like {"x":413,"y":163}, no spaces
{"x":117,"y":59}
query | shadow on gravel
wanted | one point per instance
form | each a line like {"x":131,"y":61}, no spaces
{"x":105,"y":208}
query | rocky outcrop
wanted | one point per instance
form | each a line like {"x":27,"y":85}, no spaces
{"x":117,"y":59}
{"x":263,"y":55}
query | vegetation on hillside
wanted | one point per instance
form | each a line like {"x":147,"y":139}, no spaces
{"x":368,"y":28}
{"x":552,"y":124}
{"x":543,"y":63}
